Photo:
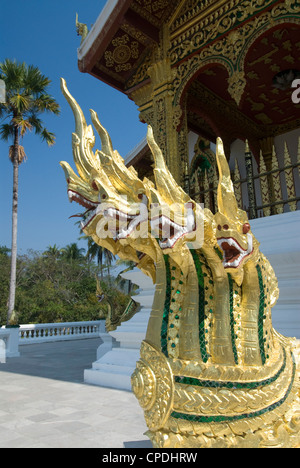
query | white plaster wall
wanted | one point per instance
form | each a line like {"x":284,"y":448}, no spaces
{"x":280,"y":243}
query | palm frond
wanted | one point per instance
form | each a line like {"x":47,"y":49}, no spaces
{"x":6,"y":131}
{"x":48,"y":137}
{"x":23,"y":124}
{"x":4,"y":109}
{"x":36,"y":124}
{"x":20,"y":101}
{"x":12,"y":72}
{"x":35,"y":80}
{"x":45,"y":103}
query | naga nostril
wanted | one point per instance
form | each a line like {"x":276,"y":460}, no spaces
{"x":219,"y":227}
{"x":225,"y":227}
{"x":94,"y":185}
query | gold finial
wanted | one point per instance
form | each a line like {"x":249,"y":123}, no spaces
{"x":247,"y":149}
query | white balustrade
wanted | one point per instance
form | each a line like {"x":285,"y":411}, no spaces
{"x":9,"y":343}
{"x":43,"y":332}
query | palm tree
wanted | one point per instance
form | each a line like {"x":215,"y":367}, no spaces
{"x":52,"y":252}
{"x":26,"y":99}
{"x":72,"y":252}
{"x":103,"y":256}
{"x":122,"y":281}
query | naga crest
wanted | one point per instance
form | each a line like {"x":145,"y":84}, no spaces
{"x":213,"y":371}
{"x":233,"y":230}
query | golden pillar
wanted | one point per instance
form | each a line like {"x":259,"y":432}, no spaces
{"x":155,"y":101}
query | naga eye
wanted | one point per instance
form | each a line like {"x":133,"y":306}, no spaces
{"x":246,"y":228}
{"x":103,"y":196}
{"x":225,"y":227}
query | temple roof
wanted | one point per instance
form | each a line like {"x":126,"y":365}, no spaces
{"x":121,"y":37}
{"x":118,"y":50}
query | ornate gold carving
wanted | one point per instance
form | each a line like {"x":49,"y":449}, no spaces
{"x":229,"y":115}
{"x":212,"y":25}
{"x":228,"y":50}
{"x":276,"y":183}
{"x":135,"y":33}
{"x":206,"y":191}
{"x":141,"y":74}
{"x":289,"y":179}
{"x":161,"y":114}
{"x":187,"y":10}
{"x":237,"y":185}
{"x":236,"y":85}
{"x":265,"y":192}
{"x":230,"y":401}
{"x":152,"y":384}
{"x":122,"y":53}
{"x":153,"y":11}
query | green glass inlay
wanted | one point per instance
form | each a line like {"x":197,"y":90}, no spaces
{"x":201,"y":293}
{"x":165,"y":319}
{"x":219,"y":253}
{"x":261,"y":315}
{"x":232,"y":322}
{"x":222,"y":384}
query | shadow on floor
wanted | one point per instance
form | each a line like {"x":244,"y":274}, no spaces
{"x":59,"y":360}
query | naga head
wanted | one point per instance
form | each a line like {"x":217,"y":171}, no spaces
{"x":110,"y":193}
{"x":232,"y":228}
{"x":123,"y":213}
{"x":175,"y":218}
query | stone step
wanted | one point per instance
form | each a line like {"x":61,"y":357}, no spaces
{"x":107,"y":378}
{"x":114,"y":369}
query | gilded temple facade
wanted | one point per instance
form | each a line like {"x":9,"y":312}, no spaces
{"x":198,"y":70}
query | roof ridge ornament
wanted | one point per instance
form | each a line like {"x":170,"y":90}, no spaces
{"x":82,"y":29}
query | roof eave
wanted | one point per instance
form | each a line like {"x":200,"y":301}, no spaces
{"x":101,"y":33}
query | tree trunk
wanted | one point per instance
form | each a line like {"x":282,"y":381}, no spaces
{"x":13,"y":268}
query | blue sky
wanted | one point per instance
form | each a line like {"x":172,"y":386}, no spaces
{"x":43,"y":33}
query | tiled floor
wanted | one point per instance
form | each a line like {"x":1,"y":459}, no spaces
{"x":45,"y":404}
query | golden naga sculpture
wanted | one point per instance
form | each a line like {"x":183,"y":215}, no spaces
{"x":213,"y":372}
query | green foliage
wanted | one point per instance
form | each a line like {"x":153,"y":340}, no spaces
{"x":58,"y":285}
